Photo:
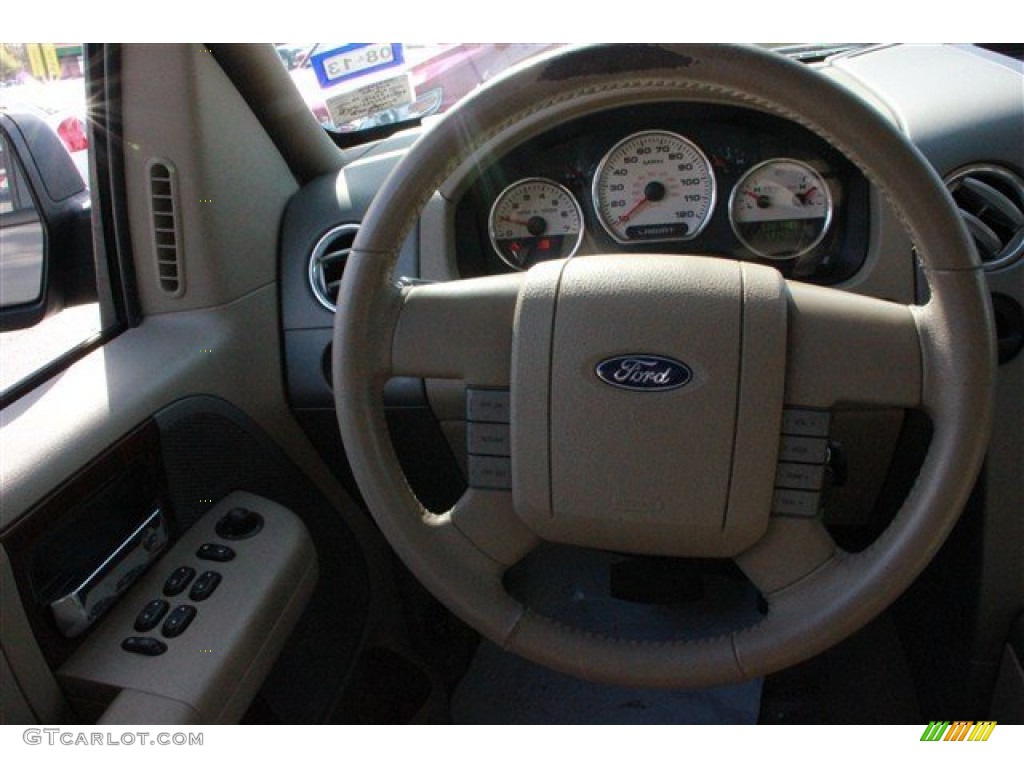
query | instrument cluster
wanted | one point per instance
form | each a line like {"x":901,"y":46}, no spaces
{"x":669,"y":178}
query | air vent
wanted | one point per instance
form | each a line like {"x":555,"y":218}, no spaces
{"x":327,"y":263}
{"x":991,"y":201}
{"x":163,"y":199}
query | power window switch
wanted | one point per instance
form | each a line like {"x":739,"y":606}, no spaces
{"x":204,"y":586}
{"x":179,"y":620}
{"x":178,"y":580}
{"x":150,"y":615}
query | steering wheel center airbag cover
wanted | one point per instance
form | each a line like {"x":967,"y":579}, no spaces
{"x":652,"y":467}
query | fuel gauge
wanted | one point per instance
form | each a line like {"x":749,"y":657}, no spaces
{"x":535,"y":220}
{"x":781,"y":209}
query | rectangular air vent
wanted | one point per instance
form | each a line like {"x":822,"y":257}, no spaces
{"x":163,"y":198}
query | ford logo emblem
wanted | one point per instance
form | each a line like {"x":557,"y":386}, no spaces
{"x":644,"y":373}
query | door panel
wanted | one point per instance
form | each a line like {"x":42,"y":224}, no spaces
{"x":200,"y":379}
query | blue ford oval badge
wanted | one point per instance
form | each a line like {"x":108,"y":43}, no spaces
{"x":644,"y":373}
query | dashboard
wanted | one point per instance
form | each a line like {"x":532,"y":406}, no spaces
{"x":862,"y":246}
{"x":668,"y":178}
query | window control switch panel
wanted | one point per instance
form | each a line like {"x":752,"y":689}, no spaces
{"x":196,"y":632}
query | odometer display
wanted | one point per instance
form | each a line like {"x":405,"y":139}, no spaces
{"x":654,"y":186}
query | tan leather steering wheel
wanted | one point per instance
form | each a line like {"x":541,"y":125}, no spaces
{"x":752,"y":341}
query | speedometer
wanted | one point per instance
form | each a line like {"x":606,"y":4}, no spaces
{"x":654,"y":186}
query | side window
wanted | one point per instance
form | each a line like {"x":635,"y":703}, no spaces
{"x":49,"y":302}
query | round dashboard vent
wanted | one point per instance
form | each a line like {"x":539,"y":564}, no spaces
{"x":327,"y":263}
{"x":991,"y":201}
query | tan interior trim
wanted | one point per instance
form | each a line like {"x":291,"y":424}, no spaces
{"x":28,"y":668}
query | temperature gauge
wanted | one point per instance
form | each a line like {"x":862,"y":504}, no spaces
{"x":781,"y":209}
{"x":535,"y":220}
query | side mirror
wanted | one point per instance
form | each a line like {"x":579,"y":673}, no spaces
{"x":46,"y":256}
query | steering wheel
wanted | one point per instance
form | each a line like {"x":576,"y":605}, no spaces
{"x":686,"y":470}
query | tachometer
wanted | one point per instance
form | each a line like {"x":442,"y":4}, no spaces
{"x":654,"y":186}
{"x":781,"y":208}
{"x":534,"y":220}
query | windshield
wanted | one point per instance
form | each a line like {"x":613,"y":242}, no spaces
{"x":353,"y":87}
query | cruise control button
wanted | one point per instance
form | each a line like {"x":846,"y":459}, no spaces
{"x":494,"y":405}
{"x":204,"y":586}
{"x":806,"y":477}
{"x":178,"y":580}
{"x":488,"y":439}
{"x":179,"y":620}
{"x":490,"y":472}
{"x":805,"y":450}
{"x":788,"y":503}
{"x":800,"y":421}
{"x":145,"y":646}
{"x":217,"y":552}
{"x":150,"y":615}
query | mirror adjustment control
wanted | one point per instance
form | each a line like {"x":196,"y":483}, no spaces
{"x":179,"y":620}
{"x":204,"y":586}
{"x":144,"y":646}
{"x":150,"y":615}
{"x":178,"y":580}
{"x":219,"y":553}
{"x":239,"y":523}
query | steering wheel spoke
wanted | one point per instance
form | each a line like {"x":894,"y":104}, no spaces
{"x":487,"y":519}
{"x":847,"y":348}
{"x":457,"y":330}
{"x":791,"y":549}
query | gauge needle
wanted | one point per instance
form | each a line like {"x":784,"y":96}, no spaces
{"x":510,"y":220}
{"x":629,"y":214}
{"x":803,"y":197}
{"x":762,"y":200}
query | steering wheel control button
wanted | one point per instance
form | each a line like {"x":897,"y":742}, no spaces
{"x":805,"y":450}
{"x":178,"y":580}
{"x":790,"y":503}
{"x":219,"y":553}
{"x":150,"y":615}
{"x":806,"y":477}
{"x":144,"y":646}
{"x":204,"y":586}
{"x":488,"y":439}
{"x":799,"y":421}
{"x":490,"y":405}
{"x":179,"y":620}
{"x":239,"y":523}
{"x":490,"y":472}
